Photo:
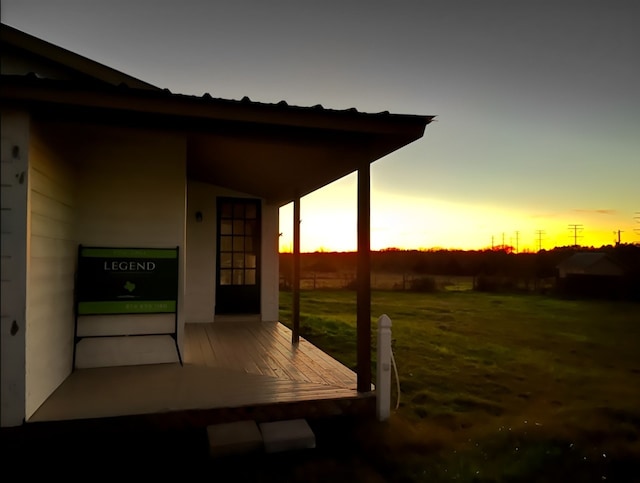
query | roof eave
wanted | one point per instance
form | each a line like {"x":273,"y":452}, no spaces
{"x":166,"y":103}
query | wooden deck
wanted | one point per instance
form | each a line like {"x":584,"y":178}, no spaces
{"x":232,"y":370}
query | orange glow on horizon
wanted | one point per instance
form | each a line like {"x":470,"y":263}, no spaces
{"x":448,"y":227}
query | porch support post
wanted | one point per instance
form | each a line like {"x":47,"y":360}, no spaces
{"x":295,"y":333}
{"x":363,"y":320}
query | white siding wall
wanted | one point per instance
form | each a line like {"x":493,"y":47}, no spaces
{"x":13,"y":252}
{"x":131,"y":193}
{"x":201,"y":254}
{"x":52,"y":261}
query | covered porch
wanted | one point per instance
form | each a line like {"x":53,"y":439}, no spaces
{"x":236,"y":369}
{"x":95,"y":158}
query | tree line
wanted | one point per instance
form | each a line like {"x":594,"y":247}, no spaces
{"x":486,"y":266}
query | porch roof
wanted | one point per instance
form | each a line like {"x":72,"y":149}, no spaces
{"x":274,"y":151}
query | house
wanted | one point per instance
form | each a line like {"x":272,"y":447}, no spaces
{"x":592,"y":274}
{"x":133,"y":216}
{"x":589,"y":263}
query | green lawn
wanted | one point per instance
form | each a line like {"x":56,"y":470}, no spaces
{"x":497,"y":387}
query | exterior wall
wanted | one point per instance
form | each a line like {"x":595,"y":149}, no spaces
{"x":13,"y":252}
{"x":201,"y":254}
{"x":270,"y":262}
{"x":131,"y":193}
{"x":605,"y":267}
{"x":52,"y":261}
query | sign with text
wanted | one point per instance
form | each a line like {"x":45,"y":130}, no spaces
{"x":127,"y":280}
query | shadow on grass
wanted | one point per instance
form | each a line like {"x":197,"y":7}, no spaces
{"x":347,"y":449}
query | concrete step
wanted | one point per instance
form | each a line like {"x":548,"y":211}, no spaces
{"x":293,"y":434}
{"x":243,"y":437}
{"x":234,"y":438}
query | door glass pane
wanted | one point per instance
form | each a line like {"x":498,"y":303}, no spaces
{"x":238,"y":243}
{"x":248,"y":244}
{"x":226,"y":210}
{"x":238,"y":277}
{"x":226,"y":243}
{"x":225,"y":277}
{"x":250,"y":261}
{"x":238,"y":227}
{"x":225,"y":227}
{"x":249,"y":227}
{"x":238,"y":210}
{"x":251,"y":212}
{"x":250,"y":277}
{"x":238,"y":260}
{"x":225,"y":260}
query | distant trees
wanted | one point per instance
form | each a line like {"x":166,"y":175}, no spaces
{"x":491,"y":269}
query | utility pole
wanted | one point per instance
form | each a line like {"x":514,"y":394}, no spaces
{"x":575,"y":229}
{"x":539,"y":233}
{"x":517,"y":239}
{"x":637,"y":218}
{"x":492,"y":243}
{"x":618,"y":232}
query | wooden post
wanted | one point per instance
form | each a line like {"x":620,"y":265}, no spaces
{"x":383,"y":376}
{"x":295,"y":333}
{"x":363,"y":320}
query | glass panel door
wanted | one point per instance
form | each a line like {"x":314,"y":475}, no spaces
{"x":238,"y":256}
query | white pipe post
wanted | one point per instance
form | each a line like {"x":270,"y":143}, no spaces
{"x":383,"y":374}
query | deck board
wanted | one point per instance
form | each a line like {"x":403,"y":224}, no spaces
{"x":226,"y":365}
{"x":308,"y":358}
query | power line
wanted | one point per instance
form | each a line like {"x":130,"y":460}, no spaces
{"x":575,"y":235}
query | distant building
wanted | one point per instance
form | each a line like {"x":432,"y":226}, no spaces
{"x":589,"y":263}
{"x":590,"y":274}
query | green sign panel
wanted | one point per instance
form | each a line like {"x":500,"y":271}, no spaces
{"x":127,"y":280}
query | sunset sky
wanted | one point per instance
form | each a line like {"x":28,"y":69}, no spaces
{"x":537,"y":103}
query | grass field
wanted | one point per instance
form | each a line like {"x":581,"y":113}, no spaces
{"x":496,"y":387}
